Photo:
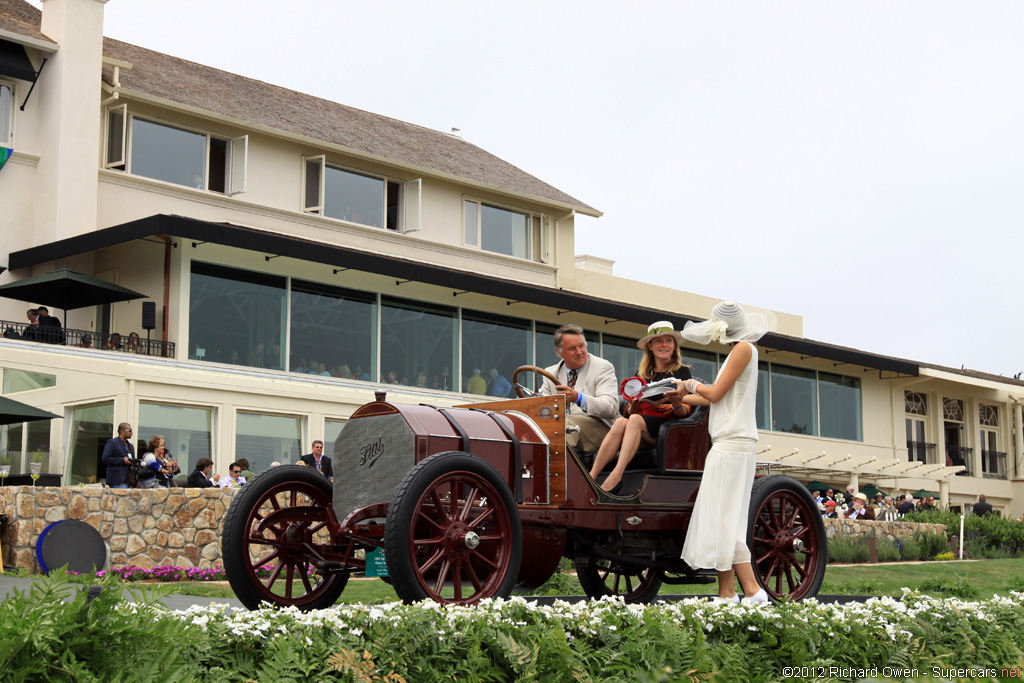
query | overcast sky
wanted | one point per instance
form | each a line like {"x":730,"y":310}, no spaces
{"x":860,"y":164}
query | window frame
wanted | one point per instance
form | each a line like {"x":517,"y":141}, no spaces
{"x":410,"y":200}
{"x":538,"y":230}
{"x":236,"y":161}
{"x":9,"y":141}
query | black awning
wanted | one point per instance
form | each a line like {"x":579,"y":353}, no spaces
{"x":189,"y":230}
{"x":14,"y":62}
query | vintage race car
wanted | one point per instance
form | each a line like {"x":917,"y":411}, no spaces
{"x":476,"y":501}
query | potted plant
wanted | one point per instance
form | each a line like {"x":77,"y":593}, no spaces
{"x":5,"y":465}
{"x":36,"y":465}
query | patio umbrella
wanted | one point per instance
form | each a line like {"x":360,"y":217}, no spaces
{"x":67,"y":289}
{"x":921,"y":493}
{"x":818,"y":486}
{"x":12,"y":412}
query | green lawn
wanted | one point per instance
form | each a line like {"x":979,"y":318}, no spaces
{"x":986,"y":577}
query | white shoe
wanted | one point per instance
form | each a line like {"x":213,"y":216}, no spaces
{"x":759,"y":596}
{"x":734,"y":600}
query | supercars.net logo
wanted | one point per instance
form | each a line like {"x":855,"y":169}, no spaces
{"x":369,"y":453}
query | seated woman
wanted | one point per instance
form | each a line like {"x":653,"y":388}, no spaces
{"x":661,"y":360}
{"x":134,"y":344}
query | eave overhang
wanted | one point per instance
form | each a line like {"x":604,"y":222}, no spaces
{"x":250,"y":239}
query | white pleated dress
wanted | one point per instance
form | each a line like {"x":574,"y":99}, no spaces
{"x":716,"y":538}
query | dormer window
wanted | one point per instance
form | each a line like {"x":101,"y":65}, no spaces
{"x":162,"y":151}
{"x":358,"y":197}
{"x":505,"y":231}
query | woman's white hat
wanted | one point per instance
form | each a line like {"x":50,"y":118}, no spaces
{"x":730,"y":323}
{"x":658,"y":329}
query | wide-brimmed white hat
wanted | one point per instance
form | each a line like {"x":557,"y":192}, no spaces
{"x":730,"y":323}
{"x":658,"y":329}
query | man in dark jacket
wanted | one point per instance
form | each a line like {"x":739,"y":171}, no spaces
{"x":202,"y":476}
{"x":906,"y":506}
{"x":50,"y":327}
{"x":982,"y":507}
{"x":118,"y":454}
{"x":318,"y":461}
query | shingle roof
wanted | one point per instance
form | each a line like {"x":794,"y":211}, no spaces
{"x":21,"y":18}
{"x":246,"y":99}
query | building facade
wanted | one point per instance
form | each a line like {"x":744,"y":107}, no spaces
{"x":300,"y":254}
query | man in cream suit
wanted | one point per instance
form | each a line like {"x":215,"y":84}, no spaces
{"x":589,"y":386}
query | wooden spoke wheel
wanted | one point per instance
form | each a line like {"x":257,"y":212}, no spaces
{"x":786,"y":538}
{"x":600,"y":577}
{"x":452,"y":533}
{"x":270,"y":523}
{"x":523,"y":391}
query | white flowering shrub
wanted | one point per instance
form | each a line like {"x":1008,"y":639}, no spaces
{"x":55,"y":633}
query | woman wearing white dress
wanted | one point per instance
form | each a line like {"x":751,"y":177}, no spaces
{"x":716,"y":538}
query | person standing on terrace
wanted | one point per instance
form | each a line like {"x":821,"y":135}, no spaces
{"x":118,"y":454}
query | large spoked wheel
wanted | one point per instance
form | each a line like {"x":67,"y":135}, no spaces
{"x":267,"y":528}
{"x":600,"y":577}
{"x":452,"y":533}
{"x":521,"y":390}
{"x":786,"y":538}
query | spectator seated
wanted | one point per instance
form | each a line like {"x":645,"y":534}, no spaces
{"x":683,"y":446}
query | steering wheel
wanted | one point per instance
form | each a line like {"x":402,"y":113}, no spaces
{"x":525,"y":392}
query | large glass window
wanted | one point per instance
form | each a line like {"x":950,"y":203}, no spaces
{"x":90,"y":428}
{"x":496,"y":346}
{"x":186,"y":430}
{"x":703,"y":365}
{"x":236,"y":316}
{"x":355,"y":198}
{"x":262,"y":439}
{"x":333,"y":331}
{"x":620,"y":352}
{"x":839,"y":406}
{"x":794,"y":400}
{"x":16,"y":381}
{"x":22,"y":440}
{"x":167,"y":153}
{"x":332,"y":430}
{"x":504,"y":231}
{"x":6,"y":115}
{"x":417,"y":341}
{"x":763,"y":402}
{"x":174,"y":155}
{"x":358,"y":197}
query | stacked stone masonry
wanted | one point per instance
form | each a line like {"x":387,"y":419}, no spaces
{"x":183,"y":527}
{"x":894,"y":531}
{"x":141,"y":527}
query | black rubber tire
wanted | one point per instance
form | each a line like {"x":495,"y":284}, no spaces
{"x":424,"y":543}
{"x":783,"y":515}
{"x":295,"y":487}
{"x":636,"y":586}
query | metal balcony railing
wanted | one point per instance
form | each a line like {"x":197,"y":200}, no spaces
{"x":960,"y":455}
{"x":86,"y":339}
{"x":993,"y":465}
{"x":920,"y":451}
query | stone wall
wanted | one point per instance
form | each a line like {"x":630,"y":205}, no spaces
{"x":141,"y":527}
{"x":892,"y":530}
